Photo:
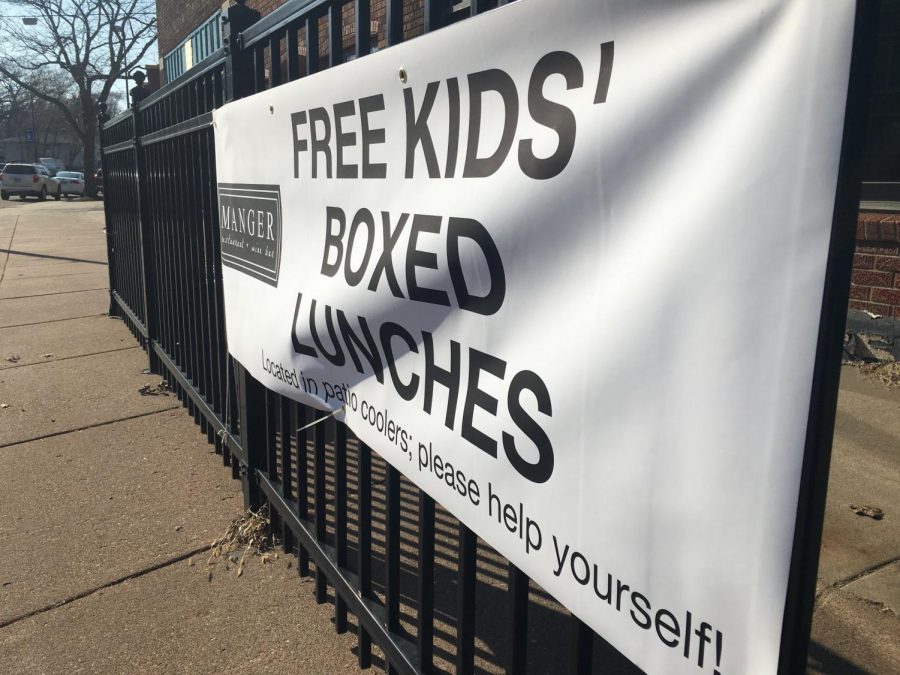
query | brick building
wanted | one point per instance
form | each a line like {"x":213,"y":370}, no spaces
{"x":190,"y":31}
{"x":876,"y":269}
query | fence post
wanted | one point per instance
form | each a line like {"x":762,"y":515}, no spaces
{"x":103,"y":118}
{"x":148,"y":245}
{"x":252,"y":411}
{"x":251,"y":395}
{"x":238,"y":64}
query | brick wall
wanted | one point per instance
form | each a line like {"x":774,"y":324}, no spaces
{"x":264,"y":6}
{"x":413,"y":23}
{"x":176,"y":20}
{"x":875,"y":285}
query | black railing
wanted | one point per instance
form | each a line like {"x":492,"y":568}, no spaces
{"x":419,"y":584}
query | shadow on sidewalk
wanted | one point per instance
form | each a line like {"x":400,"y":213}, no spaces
{"x":52,"y":257}
{"x":823,"y":660}
{"x":549,"y":623}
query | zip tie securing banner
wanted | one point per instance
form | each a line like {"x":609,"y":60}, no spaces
{"x":320,"y":420}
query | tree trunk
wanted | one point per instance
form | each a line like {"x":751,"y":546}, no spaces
{"x":89,"y":143}
{"x":73,"y":153}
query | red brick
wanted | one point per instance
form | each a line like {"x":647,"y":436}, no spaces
{"x":887,"y":230}
{"x":865,"y":278}
{"x":887,"y":263}
{"x":177,"y":19}
{"x":413,"y":18}
{"x":897,"y":280}
{"x":859,"y":292}
{"x":863,"y":262}
{"x":264,"y":6}
{"x":897,"y":312}
{"x":889,"y":296}
{"x":878,"y":250}
{"x":883,"y":310}
{"x":878,"y":227}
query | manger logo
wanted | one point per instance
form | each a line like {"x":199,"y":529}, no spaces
{"x":250,"y":229}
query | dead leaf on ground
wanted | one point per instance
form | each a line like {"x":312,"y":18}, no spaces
{"x":160,"y":389}
{"x":872,"y":512}
{"x":249,"y":534}
{"x":15,"y":358}
{"x":4,"y":405}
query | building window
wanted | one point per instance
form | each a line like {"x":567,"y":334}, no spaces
{"x":196,"y":47}
{"x":173,"y":64}
{"x":206,"y":40}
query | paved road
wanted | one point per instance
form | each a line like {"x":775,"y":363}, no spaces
{"x":108,"y":494}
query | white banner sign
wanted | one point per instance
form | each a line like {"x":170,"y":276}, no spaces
{"x":562,"y":264}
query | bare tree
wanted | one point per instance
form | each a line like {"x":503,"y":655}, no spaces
{"x":12,"y":102}
{"x":94,"y":42}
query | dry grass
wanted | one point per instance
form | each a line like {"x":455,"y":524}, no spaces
{"x":887,"y":374}
{"x":250,"y":534}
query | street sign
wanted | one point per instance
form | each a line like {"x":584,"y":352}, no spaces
{"x":29,"y":135}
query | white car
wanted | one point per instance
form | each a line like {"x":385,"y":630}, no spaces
{"x":28,"y":180}
{"x":71,"y":183}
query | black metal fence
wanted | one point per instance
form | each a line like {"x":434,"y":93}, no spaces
{"x":425,"y":595}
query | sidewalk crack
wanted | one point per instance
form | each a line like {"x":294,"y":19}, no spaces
{"x":69,"y":358}
{"x":89,"y":426}
{"x":44,"y":295}
{"x":68,"y":318}
{"x":109,"y":584}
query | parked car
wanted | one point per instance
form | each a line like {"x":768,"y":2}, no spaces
{"x":71,"y":183}
{"x":98,"y":182}
{"x":28,"y":180}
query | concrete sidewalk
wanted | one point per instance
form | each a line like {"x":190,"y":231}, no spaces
{"x":856,"y":628}
{"x":109,"y":495}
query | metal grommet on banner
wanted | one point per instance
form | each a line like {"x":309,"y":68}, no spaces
{"x":402,"y":74}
